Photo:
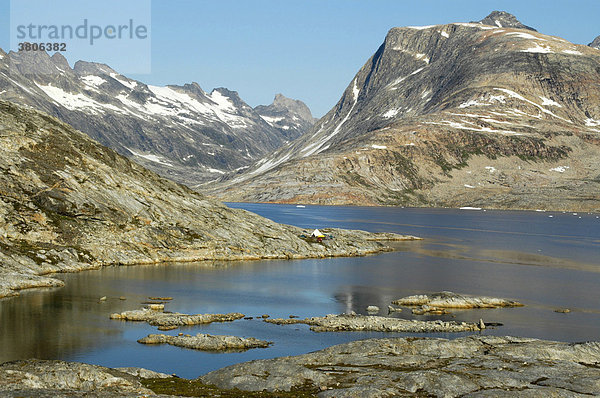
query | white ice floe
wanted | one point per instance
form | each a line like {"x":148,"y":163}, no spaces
{"x":300,"y":206}
{"x":560,"y":169}
{"x":374,"y":146}
{"x":548,"y":101}
{"x":470,"y":208}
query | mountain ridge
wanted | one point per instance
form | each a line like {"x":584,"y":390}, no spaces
{"x":181,"y":132}
{"x":68,"y":204}
{"x":431,"y":104}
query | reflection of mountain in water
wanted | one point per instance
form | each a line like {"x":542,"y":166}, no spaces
{"x":24,"y":331}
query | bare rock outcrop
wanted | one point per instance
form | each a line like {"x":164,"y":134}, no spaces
{"x":489,"y":115}
{"x":36,"y":378}
{"x":455,"y":300}
{"x":474,"y":366}
{"x":167,"y":319}
{"x":206,"y":342}
{"x":336,"y":323}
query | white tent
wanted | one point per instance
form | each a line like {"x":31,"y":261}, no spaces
{"x":316,"y":233}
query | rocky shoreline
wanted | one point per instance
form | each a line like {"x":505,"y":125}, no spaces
{"x":68,"y":204}
{"x":473,"y":366}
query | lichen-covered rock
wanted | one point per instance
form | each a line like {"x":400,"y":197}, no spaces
{"x":35,"y":378}
{"x":454,"y":300}
{"x":206,"y":342}
{"x":335,"y":323}
{"x":474,"y":366}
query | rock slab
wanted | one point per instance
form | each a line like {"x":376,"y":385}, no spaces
{"x":337,"y":323}
{"x":206,"y":342}
{"x":455,"y":300}
{"x":168,"y":319}
{"x":474,"y":366}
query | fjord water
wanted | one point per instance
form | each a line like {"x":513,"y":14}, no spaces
{"x":546,"y":260}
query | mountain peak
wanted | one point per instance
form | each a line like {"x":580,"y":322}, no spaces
{"x":34,"y":63}
{"x":596,"y":43}
{"x":92,"y":68}
{"x":60,"y":61}
{"x":504,"y":19}
{"x":292,"y":105}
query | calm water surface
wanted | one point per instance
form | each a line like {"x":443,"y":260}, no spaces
{"x":545,"y":262}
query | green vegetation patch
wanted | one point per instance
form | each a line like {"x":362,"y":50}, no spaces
{"x":195,"y":388}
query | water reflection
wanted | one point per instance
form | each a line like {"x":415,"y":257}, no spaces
{"x":500,"y":254}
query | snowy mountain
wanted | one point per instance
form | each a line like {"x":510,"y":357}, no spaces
{"x":463,"y":114}
{"x":291,"y":117}
{"x":181,"y":132}
{"x":596,"y":43}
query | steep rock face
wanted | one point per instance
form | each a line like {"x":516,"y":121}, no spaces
{"x":596,"y":43}
{"x":291,"y":117}
{"x":449,"y":115}
{"x":181,"y":132}
{"x":68,"y":204}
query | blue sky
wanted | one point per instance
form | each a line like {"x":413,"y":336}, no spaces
{"x":308,"y":49}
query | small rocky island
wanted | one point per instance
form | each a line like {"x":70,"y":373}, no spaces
{"x":156,"y":317}
{"x":345,"y":322}
{"x":206,"y":342}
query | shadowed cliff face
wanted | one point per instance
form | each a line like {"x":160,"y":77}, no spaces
{"x":68,"y":203}
{"x":181,"y":132}
{"x":449,"y":115}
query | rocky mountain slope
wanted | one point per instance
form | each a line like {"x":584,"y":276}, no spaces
{"x":463,"y":114}
{"x":68,"y":204}
{"x":596,"y":43}
{"x":291,"y":117}
{"x":181,"y":132}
